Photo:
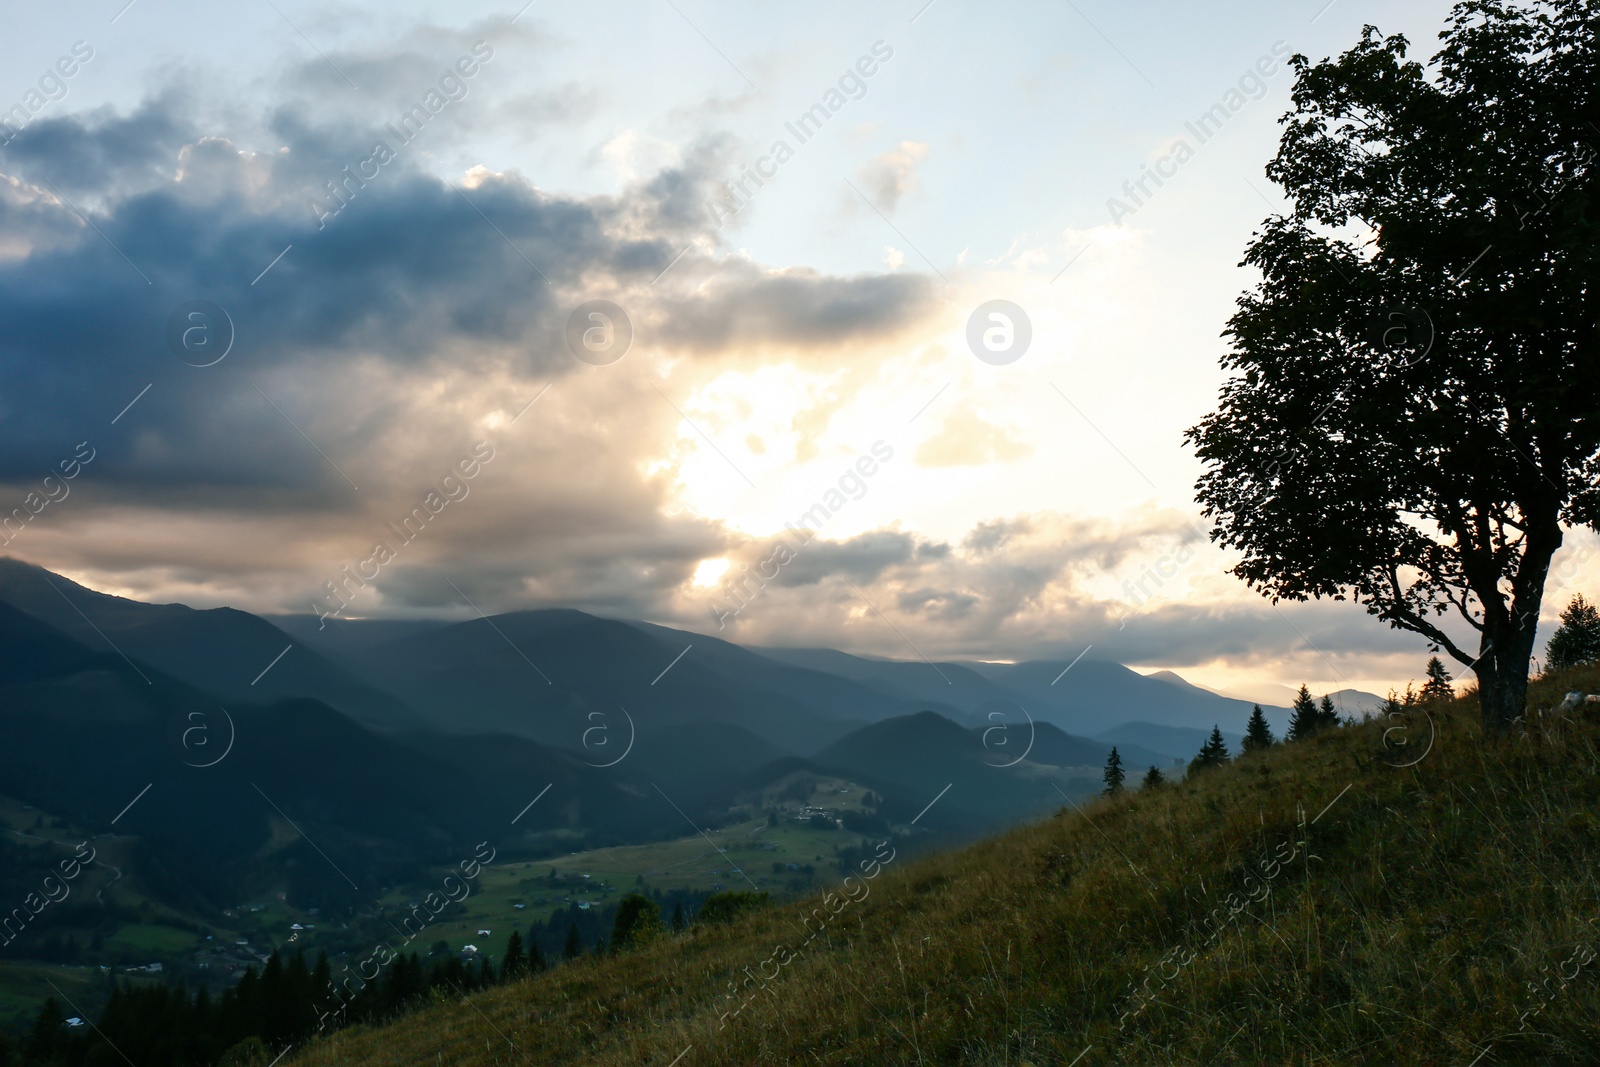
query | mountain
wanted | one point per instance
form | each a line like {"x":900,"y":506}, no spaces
{"x":566,"y":678}
{"x":1351,"y":702}
{"x":953,"y":689}
{"x":1084,"y":697}
{"x":823,"y":690}
{"x":576,"y":681}
{"x":1355,"y":703}
{"x":1057,"y":748}
{"x":232,"y":654}
{"x":228,"y":797}
{"x":926,"y":759}
{"x":1171,"y":742}
{"x":341,"y":638}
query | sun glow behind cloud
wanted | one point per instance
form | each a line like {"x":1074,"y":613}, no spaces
{"x":1015,"y":508}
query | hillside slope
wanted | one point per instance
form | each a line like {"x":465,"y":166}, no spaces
{"x":1312,"y":904}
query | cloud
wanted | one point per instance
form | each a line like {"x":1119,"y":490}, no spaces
{"x":412,"y":312}
{"x":367,"y":300}
{"x":966,"y":439}
{"x":385,"y":319}
{"x":891,"y":175}
{"x":744,"y":304}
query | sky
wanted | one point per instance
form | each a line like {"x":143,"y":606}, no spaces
{"x":277,"y":275}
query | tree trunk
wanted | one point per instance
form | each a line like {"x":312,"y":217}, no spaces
{"x":1503,"y":695}
{"x":1502,"y":671}
{"x":1511,"y":625}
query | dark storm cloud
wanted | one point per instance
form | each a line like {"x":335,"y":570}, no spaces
{"x":862,"y":558}
{"x":98,"y":151}
{"x":420,"y":277}
{"x":749,"y":305}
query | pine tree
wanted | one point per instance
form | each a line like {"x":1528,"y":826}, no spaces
{"x":512,"y":966}
{"x":1153,"y":777}
{"x":1114,"y":775}
{"x":1303,"y":721}
{"x":536,"y":960}
{"x":1214,"y":753}
{"x":638,"y":920}
{"x":1257,"y":734}
{"x":678,"y":923}
{"x":49,"y":1032}
{"x":574,"y":945}
{"x":1577,"y":640}
{"x":1438,"y":686}
{"x":1327,"y":714}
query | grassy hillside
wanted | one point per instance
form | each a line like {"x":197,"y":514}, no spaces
{"x":1429,"y":914}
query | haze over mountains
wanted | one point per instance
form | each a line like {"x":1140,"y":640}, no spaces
{"x":549,"y":676}
{"x":392,"y":743}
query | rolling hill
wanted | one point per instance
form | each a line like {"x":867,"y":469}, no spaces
{"x":1323,"y":902}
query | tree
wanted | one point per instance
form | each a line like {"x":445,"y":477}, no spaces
{"x":1438,"y":686}
{"x":1153,"y":777}
{"x":1327,"y":714}
{"x":1577,"y":640}
{"x":1304,"y":719}
{"x":514,"y":965}
{"x":1214,"y":753}
{"x":1257,"y":734}
{"x":1114,"y":775}
{"x":638,"y":920}
{"x":1412,"y":419}
{"x":536,"y":961}
{"x":573,"y":947}
{"x":677,"y":917}
{"x":49,"y":1032}
{"x":1392,"y":706}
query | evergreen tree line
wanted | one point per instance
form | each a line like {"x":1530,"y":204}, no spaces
{"x":279,"y":1006}
{"x":1308,"y":717}
{"x":288,"y":1002}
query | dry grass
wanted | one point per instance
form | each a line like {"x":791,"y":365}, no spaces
{"x":1413,"y":926}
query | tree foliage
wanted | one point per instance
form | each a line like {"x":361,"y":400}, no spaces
{"x":1438,"y":686}
{"x":638,"y":920}
{"x":1214,"y":753}
{"x":1577,"y":640}
{"x":1412,"y":419}
{"x":1304,"y":717}
{"x":1257,"y":733}
{"x":1114,"y":774}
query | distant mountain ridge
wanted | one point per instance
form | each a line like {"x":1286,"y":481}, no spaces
{"x":686,"y":707}
{"x":231,"y":653}
{"x":1084,"y":697}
